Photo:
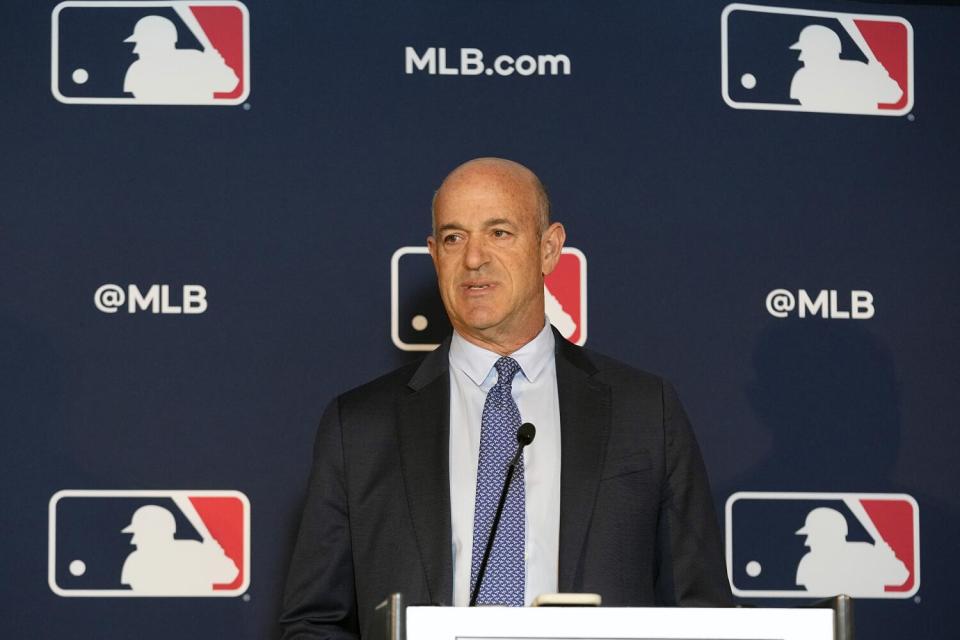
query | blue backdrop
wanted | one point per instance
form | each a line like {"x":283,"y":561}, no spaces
{"x":286,"y":208}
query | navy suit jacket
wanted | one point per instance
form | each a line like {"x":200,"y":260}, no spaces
{"x":637,"y":522}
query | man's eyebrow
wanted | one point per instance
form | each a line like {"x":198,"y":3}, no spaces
{"x":449,"y":226}
{"x":497,"y":222}
{"x":492,"y":222}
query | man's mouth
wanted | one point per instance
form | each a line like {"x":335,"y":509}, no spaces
{"x":477,"y":286}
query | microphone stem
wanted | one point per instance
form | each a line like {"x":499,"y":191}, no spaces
{"x":493,"y":528}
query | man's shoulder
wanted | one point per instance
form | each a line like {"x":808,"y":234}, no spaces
{"x":395,"y":384}
{"x":610,"y":370}
{"x":384,"y":388}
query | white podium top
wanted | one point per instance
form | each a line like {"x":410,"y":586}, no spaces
{"x":587,"y":623}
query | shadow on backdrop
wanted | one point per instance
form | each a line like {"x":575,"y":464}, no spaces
{"x":828,"y":394}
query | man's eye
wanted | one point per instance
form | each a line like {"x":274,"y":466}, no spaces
{"x":501,"y":233}
{"x":453,"y":238}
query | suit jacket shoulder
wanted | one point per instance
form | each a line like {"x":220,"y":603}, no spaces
{"x":637,"y":515}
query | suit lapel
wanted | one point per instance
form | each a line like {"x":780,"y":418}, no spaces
{"x":584,"y":429}
{"x":424,"y":436}
{"x":423,"y":431}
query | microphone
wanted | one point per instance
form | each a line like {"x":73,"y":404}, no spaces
{"x":525,"y":435}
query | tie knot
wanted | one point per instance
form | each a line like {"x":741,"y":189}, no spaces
{"x":506,"y":369}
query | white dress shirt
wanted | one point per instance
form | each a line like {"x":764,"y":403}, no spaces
{"x":472,"y":375}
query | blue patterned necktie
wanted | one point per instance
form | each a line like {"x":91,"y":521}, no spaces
{"x":503,"y":582}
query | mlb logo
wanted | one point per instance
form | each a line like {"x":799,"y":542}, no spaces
{"x":780,"y":59}
{"x":418,"y":321}
{"x":149,"y":543}
{"x":813,"y":545}
{"x":128,"y":52}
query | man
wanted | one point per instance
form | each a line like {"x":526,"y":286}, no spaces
{"x":615,"y":496}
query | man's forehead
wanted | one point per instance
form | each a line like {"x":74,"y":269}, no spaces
{"x":491,"y":175}
{"x":455,"y":223}
{"x":489,"y":187}
{"x":511,"y":195}
{"x":483,"y":210}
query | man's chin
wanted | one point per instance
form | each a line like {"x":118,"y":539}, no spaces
{"x":482,"y":325}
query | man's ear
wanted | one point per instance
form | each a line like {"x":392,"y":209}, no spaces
{"x":551,"y":245}
{"x":432,"y":247}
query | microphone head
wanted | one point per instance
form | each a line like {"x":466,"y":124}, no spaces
{"x":526,"y":433}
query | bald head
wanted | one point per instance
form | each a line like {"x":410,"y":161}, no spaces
{"x":505,"y":174}
{"x":492,"y":246}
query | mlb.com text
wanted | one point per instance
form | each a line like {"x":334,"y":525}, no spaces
{"x":470,"y":62}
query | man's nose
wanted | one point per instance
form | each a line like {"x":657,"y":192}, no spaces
{"x":476,"y":254}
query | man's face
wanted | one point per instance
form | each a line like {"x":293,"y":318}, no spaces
{"x":490,"y":255}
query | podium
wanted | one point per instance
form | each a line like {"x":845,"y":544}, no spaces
{"x":828,"y":620}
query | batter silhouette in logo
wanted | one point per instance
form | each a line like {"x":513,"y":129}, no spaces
{"x":826,"y":82}
{"x":166,"y":566}
{"x":165,"y":74}
{"x":835,"y":566}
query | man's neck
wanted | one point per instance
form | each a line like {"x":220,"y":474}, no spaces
{"x":503,"y":346}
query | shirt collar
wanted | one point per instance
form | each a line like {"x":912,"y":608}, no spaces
{"x":477,"y":362}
